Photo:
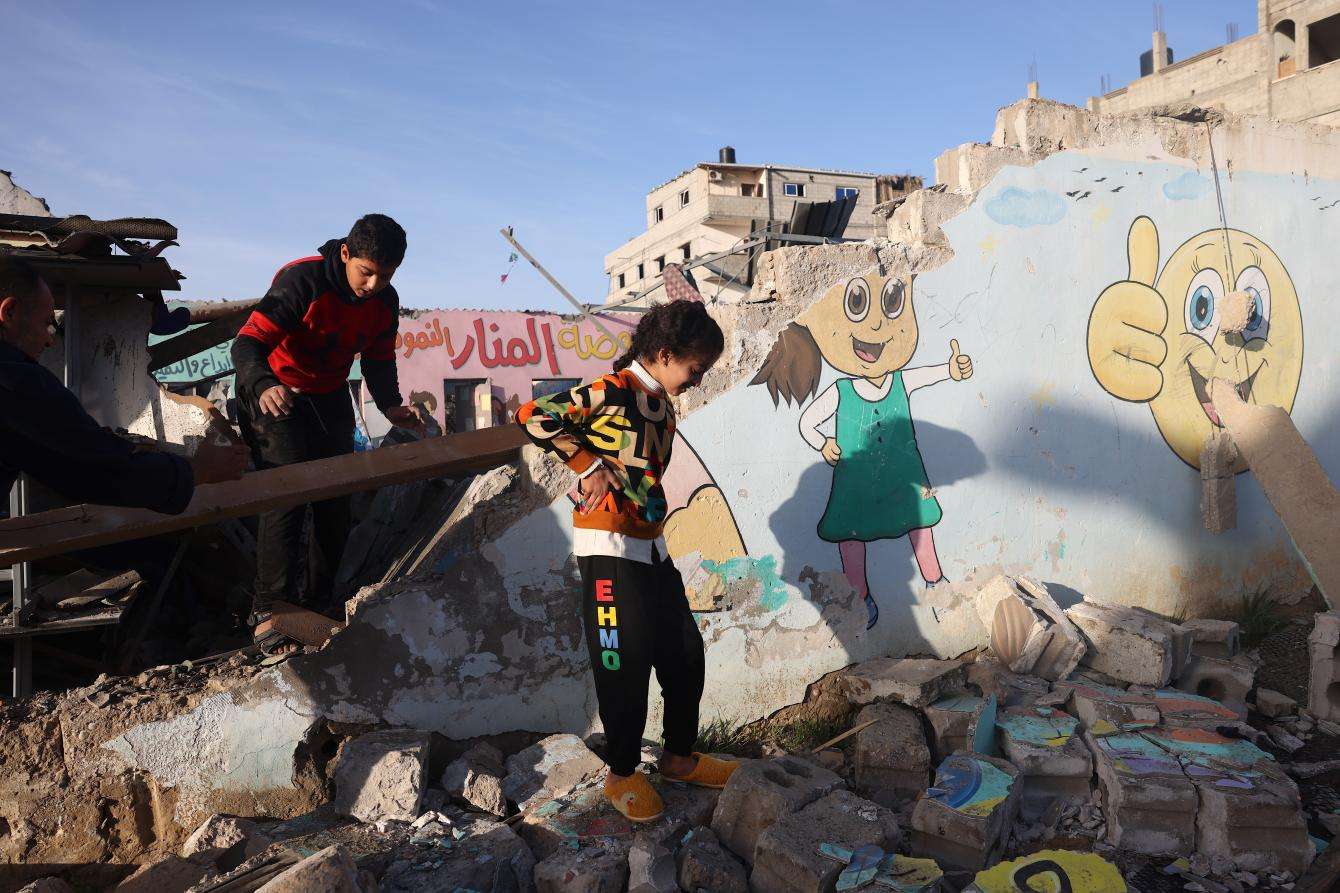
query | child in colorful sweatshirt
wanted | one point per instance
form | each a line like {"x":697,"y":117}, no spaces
{"x":616,"y":433}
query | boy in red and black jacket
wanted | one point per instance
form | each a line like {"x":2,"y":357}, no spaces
{"x":292,"y":358}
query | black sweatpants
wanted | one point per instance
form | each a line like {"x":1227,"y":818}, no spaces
{"x":319,"y":426}
{"x":637,"y":619}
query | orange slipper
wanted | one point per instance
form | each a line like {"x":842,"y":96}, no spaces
{"x":634,"y":797}
{"x":709,"y":773}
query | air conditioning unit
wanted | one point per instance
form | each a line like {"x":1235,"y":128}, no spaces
{"x":714,"y":176}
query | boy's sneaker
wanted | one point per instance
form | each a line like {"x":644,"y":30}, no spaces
{"x":634,"y":797}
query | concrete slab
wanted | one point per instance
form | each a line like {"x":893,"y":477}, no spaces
{"x":891,"y":760}
{"x":1274,"y":704}
{"x":1047,"y":747}
{"x":379,"y":775}
{"x":1103,"y":709}
{"x":964,"y":817}
{"x":332,"y":870}
{"x":1253,"y":819}
{"x":1127,"y":644}
{"x":1149,"y":803}
{"x":788,"y":857}
{"x":1182,"y":709}
{"x":953,"y":723}
{"x":1213,"y":638}
{"x":549,"y":768}
{"x":990,"y":678}
{"x":915,"y":682}
{"x":704,"y":864}
{"x":760,"y":793}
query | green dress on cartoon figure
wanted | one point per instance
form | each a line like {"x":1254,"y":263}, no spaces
{"x":880,"y":488}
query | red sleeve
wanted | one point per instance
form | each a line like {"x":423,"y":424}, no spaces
{"x":263,"y":329}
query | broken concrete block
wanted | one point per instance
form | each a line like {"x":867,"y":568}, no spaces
{"x":915,"y":682}
{"x":1180,"y":709}
{"x":1029,"y":631}
{"x":652,"y":867}
{"x":1273,"y":704}
{"x":788,"y":858}
{"x":476,"y":778}
{"x":1047,"y":748}
{"x":1082,"y":873}
{"x":331,"y":870}
{"x":1226,"y":681}
{"x":549,"y":768}
{"x":704,"y":864}
{"x":1254,"y":821}
{"x":220,"y":832}
{"x":1130,"y":645}
{"x":1213,"y":638}
{"x":591,"y":870}
{"x":1149,"y":803}
{"x":892,"y":761}
{"x":760,"y":793}
{"x":1323,"y":693}
{"x":489,"y":857}
{"x":991,"y":678}
{"x":954,"y":721}
{"x":1218,"y":488}
{"x":380,"y":775}
{"x":172,"y":873}
{"x":963,"y":820}
{"x":1103,"y":709}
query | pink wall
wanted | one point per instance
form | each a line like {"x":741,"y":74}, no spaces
{"x":508,"y":350}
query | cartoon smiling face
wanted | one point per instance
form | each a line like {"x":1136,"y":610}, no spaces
{"x":1161,"y":341}
{"x":865,"y":326}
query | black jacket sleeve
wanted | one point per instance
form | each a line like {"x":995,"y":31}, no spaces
{"x":378,"y":360}
{"x":48,"y":435}
{"x":279,"y":312}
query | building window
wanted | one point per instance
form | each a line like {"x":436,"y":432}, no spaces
{"x":657,"y":214}
{"x":458,"y":403}
{"x":1285,"y":63}
{"x":1323,"y":41}
{"x":749,"y":189}
{"x":685,"y":250}
{"x":847,"y":191}
{"x":660,"y":264}
{"x":621,"y":277}
{"x":641,"y":274}
{"x":795,"y":190}
{"x":684,"y":198}
{"x":543,"y":387}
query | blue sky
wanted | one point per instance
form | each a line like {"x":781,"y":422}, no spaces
{"x":261,"y":129}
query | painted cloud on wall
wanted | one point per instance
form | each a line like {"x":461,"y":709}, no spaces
{"x":1019,"y":207}
{"x":1190,"y":185}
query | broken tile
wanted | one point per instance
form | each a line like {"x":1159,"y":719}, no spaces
{"x":490,"y":857}
{"x":582,"y":817}
{"x":891,"y":761}
{"x":549,"y":768}
{"x":1083,"y":873}
{"x":1103,"y":709}
{"x":1047,"y":748}
{"x":1130,"y":645}
{"x":760,"y":793}
{"x":788,"y":858}
{"x":1182,"y":709}
{"x":1213,"y":638}
{"x":704,"y":864}
{"x":379,"y":775}
{"x":915,"y":682}
{"x":963,"y":820}
{"x":953,"y":722}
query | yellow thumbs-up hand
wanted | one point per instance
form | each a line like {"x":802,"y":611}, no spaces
{"x":960,"y":364}
{"x":1126,"y":345}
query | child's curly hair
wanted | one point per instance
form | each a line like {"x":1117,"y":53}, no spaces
{"x":682,"y":327}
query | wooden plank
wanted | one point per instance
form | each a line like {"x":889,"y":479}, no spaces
{"x":301,"y":625}
{"x":193,"y":341}
{"x":39,"y":536}
{"x":1293,"y":480}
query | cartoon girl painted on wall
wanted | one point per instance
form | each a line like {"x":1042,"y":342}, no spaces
{"x":865,"y":328}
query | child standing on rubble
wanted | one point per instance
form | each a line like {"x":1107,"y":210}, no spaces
{"x":616,"y":432}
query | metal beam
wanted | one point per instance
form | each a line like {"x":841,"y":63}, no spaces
{"x":583,"y":309}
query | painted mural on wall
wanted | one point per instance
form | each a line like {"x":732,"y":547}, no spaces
{"x":1155,"y":337}
{"x":866,"y":329}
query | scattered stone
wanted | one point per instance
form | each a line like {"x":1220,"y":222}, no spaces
{"x":489,"y":857}
{"x":1323,"y":698}
{"x":331,"y":870}
{"x":1029,"y":631}
{"x":704,"y":864}
{"x":760,"y":793}
{"x":1213,"y":638}
{"x":379,"y":775}
{"x":48,"y":885}
{"x":963,"y":820}
{"x":476,"y":779}
{"x":891,"y":759}
{"x":578,"y":818}
{"x":1084,"y":872}
{"x":916,"y":682}
{"x":651,"y":860}
{"x":1225,"y":681}
{"x":594,"y":870}
{"x":222,"y":832}
{"x":954,"y":721}
{"x":1286,"y":742}
{"x":1133,"y":646}
{"x":788,"y":857}
{"x":172,"y":873}
{"x":549,"y":768}
{"x":1044,"y":744}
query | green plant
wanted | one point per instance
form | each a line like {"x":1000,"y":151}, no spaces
{"x":1259,"y":617}
{"x":807,"y":734}
{"x":722,"y":736}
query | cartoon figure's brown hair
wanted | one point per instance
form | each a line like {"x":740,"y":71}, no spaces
{"x":793,"y":366}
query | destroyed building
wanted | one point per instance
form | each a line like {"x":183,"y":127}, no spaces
{"x":1042,"y":711}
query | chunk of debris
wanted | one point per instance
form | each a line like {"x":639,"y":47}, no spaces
{"x":1213,"y":638}
{"x":704,"y":864}
{"x":1082,"y":873}
{"x":1226,"y":681}
{"x":221,"y":832}
{"x":379,"y":775}
{"x":172,"y":873}
{"x":549,"y":768}
{"x":1047,"y":748}
{"x":788,"y":857}
{"x":1149,"y":803}
{"x":1029,"y":631}
{"x":1103,"y":709}
{"x":652,"y":865}
{"x":476,"y":779}
{"x":993,"y":679}
{"x":1273,"y":704}
{"x":580,"y":817}
{"x":915,"y":682}
{"x":1181,"y":710}
{"x":891,"y":759}
{"x":48,"y":885}
{"x":963,"y":820}
{"x":865,"y":865}
{"x":760,"y":793}
{"x":593,"y":870}
{"x":1323,"y":693}
{"x":955,"y":721}
{"x":490,"y":857}
{"x":1130,"y":645}
{"x":1253,"y":818}
{"x":331,"y":870}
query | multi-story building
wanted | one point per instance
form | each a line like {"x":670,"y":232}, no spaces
{"x":1288,"y":70}
{"x":714,"y":206}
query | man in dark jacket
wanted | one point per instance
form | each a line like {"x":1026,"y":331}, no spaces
{"x":47,"y":434}
{"x":293,"y":358}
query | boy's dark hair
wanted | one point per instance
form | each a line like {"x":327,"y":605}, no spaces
{"x":18,"y":279}
{"x":378,"y":238}
{"x":793,"y":366}
{"x":682,"y":327}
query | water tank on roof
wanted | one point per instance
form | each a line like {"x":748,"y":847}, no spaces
{"x":1147,"y":62}
{"x":727,"y":155}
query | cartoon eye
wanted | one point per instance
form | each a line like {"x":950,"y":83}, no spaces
{"x":857,"y":301}
{"x":1203,"y":297}
{"x":1253,"y":281}
{"x":893,"y":298}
